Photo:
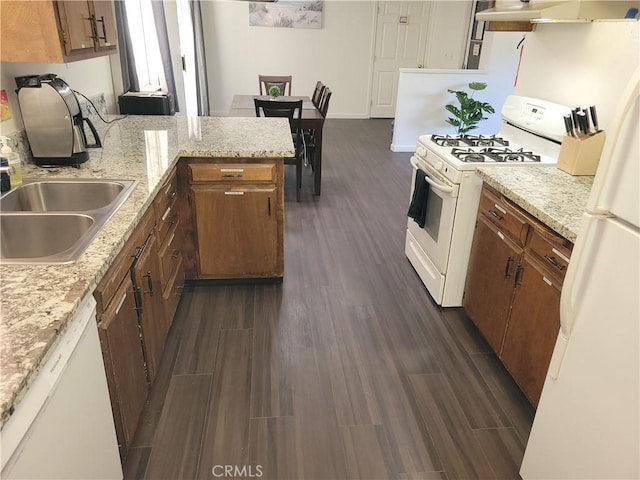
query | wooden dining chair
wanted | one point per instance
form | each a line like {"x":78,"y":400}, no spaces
{"x":282,"y":81}
{"x":317,"y":93}
{"x":293,"y":111}
{"x":310,"y":135}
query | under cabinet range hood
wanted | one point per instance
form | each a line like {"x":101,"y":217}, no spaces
{"x":545,"y":11}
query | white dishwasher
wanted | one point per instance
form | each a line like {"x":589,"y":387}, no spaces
{"x":63,"y":427}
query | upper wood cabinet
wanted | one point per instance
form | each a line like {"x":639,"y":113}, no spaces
{"x":56,"y":31}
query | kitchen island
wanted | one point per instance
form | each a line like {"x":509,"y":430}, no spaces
{"x":549,"y":194}
{"x":38,"y":301}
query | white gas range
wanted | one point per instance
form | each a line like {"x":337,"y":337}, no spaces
{"x":438,"y":240}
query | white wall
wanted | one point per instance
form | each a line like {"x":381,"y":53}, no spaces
{"x":89,"y":77}
{"x":580,"y":64}
{"x":422,"y":93}
{"x":339,"y":54}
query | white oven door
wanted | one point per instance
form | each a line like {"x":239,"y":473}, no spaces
{"x":435,"y":237}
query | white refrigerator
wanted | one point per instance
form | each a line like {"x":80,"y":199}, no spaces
{"x":587,"y":425}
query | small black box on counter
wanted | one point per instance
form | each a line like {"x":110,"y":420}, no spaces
{"x":146,"y":103}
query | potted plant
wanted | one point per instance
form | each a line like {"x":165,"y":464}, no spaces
{"x":274,"y":91}
{"x":470,"y":112}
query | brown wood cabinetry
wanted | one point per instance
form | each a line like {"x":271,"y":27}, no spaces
{"x":57,"y":31}
{"x":236,"y":211}
{"x":170,"y":246}
{"x":153,"y":321}
{"x":124,"y":361}
{"x":489,"y":287}
{"x":533,"y":327}
{"x":512,"y":292}
{"x":136,"y":301}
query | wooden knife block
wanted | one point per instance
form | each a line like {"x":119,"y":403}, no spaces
{"x":580,"y":156}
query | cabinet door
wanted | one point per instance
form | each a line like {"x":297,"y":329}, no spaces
{"x":236,"y":230}
{"x":489,"y":286}
{"x":105,"y":25}
{"x":123,"y":361}
{"x":77,"y":26}
{"x":153,"y":321}
{"x":533,"y":328}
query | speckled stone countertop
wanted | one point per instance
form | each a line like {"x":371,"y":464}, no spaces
{"x":549,"y":194}
{"x":38,"y":301}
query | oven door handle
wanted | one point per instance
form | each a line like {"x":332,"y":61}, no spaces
{"x":451,"y":190}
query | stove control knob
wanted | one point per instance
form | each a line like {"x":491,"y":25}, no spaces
{"x":439,"y":166}
{"x":421,"y":151}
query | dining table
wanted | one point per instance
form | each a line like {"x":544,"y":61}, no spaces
{"x":312,"y":119}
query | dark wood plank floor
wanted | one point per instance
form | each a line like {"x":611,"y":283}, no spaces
{"x":346,"y":370}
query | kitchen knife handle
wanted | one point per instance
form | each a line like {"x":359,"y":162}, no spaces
{"x":594,"y":118}
{"x":568,"y":126}
{"x":574,"y":119}
{"x":584,"y":125}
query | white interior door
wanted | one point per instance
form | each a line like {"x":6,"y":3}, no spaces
{"x":401,"y":36}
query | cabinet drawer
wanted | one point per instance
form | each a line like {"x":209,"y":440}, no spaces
{"x":170,"y":255}
{"x":107,"y":287}
{"x":173,"y":291}
{"x":552,"y":250}
{"x":232,"y":172}
{"x":504,"y":216}
{"x":166,"y":220}
{"x":166,"y":195}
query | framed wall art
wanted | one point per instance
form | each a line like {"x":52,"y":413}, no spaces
{"x":286,"y":13}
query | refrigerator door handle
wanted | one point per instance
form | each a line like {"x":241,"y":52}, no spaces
{"x":573,"y":287}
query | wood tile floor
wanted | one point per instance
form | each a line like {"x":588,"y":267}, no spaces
{"x":346,"y":370}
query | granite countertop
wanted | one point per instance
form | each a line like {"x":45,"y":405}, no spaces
{"x":549,"y":194}
{"x":38,"y":301}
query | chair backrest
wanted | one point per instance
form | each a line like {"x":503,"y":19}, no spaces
{"x":324,"y":101}
{"x":317,"y":93}
{"x":280,"y":108}
{"x":282,"y":81}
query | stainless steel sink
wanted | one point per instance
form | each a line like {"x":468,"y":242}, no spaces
{"x":63,"y":195}
{"x":54,"y":221}
{"x":42,"y":237}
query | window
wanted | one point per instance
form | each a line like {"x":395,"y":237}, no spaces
{"x":146,"y":50}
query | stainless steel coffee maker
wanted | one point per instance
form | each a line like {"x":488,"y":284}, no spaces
{"x":53,"y":121}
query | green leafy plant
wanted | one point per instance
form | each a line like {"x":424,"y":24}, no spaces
{"x":467,"y":116}
{"x":274,"y":91}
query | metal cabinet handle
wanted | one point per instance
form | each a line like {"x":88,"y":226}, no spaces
{"x":92,"y":23}
{"x":518,"y":275}
{"x":507,"y":267}
{"x":138,"y":299}
{"x":496,"y":214}
{"x":554,"y":262}
{"x":104,"y":30}
{"x":149,"y":282}
{"x":139,"y":250}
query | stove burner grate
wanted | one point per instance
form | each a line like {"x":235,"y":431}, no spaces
{"x":494,"y":154}
{"x":467,"y":155}
{"x":508,"y":155}
{"x":469,"y":140}
{"x":486,"y":141}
